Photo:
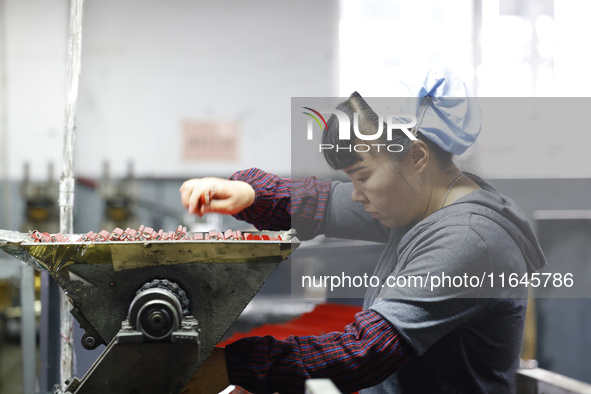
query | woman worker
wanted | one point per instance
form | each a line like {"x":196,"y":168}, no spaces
{"x":435,"y":221}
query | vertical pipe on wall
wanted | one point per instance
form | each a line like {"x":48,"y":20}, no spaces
{"x":66,"y":195}
{"x":4,"y":117}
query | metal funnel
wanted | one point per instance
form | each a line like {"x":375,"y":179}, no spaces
{"x":102,"y":280}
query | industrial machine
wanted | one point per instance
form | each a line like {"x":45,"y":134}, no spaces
{"x":120,"y":198}
{"x":41,"y":210}
{"x":159,"y":306}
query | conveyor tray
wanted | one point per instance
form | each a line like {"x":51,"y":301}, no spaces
{"x":123,"y":255}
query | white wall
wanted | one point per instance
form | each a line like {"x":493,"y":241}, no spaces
{"x":33,"y":44}
{"x":572,"y":56}
{"x":148,"y":65}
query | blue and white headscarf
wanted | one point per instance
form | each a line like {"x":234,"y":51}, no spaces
{"x":446,"y":114}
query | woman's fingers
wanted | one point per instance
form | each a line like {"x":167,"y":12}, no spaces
{"x":195,"y":198}
{"x":192,"y":194}
{"x":187,"y":190}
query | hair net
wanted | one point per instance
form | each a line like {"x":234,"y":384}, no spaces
{"x":446,"y":114}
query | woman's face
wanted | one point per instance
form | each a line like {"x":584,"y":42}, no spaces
{"x":386,"y":189}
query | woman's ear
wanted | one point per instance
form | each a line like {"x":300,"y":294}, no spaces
{"x":419,"y":156}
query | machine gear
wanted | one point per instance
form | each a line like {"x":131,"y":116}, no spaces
{"x":171,"y":287}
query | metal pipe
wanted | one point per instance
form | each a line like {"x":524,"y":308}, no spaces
{"x":66,"y":196}
{"x":4,"y":117}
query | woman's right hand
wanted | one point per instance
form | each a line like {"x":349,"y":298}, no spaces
{"x":201,"y":195}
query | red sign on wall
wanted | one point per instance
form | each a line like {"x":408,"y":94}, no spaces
{"x":210,"y":141}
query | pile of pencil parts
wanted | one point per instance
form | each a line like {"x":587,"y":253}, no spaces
{"x":149,"y":234}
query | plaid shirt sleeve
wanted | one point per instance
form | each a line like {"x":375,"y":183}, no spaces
{"x":283,"y":203}
{"x":367,"y":353}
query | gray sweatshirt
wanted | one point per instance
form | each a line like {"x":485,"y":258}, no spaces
{"x":454,"y":305}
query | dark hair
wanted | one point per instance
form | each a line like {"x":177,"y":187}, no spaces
{"x":343,"y":155}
